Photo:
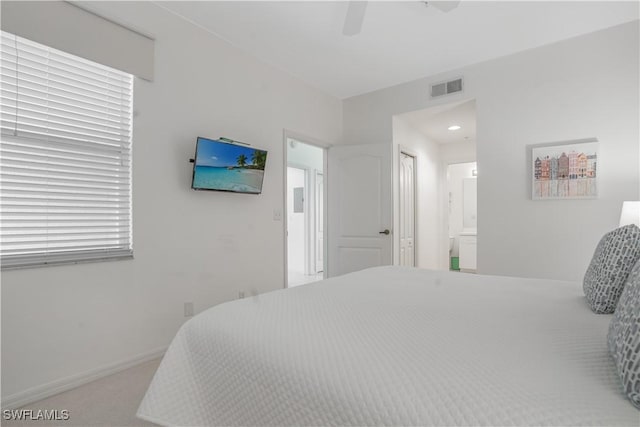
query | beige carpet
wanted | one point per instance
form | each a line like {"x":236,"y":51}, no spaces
{"x":110,"y":401}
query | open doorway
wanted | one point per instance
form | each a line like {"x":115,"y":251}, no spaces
{"x":305,"y":213}
{"x":462,"y":214}
{"x":437,"y":137}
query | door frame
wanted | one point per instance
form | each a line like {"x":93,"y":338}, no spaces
{"x":314,"y":262}
{"x":286,"y":135}
{"x":408,"y":152}
{"x":310,"y":232}
{"x":444,"y":223}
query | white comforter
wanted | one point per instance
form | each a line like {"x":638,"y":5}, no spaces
{"x":394,"y":346}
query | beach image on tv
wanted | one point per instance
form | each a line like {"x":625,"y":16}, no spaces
{"x":228,"y":167}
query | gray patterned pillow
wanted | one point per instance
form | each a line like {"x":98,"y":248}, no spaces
{"x":612,"y":261}
{"x":624,"y":337}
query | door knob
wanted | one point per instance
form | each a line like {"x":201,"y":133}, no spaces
{"x":387,"y":232}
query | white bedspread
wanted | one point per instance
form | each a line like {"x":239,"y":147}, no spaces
{"x":394,"y":346}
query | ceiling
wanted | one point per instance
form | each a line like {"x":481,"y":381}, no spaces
{"x":400,"y":41}
{"x":434,"y":122}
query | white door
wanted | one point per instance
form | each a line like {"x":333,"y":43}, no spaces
{"x":359,"y":208}
{"x":319,"y":247}
{"x":407,"y":210}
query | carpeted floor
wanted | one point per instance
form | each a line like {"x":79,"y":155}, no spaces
{"x":110,"y":401}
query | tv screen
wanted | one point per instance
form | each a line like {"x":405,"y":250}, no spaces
{"x":223,"y":166}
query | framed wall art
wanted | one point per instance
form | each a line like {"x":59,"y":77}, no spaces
{"x":565,"y":171}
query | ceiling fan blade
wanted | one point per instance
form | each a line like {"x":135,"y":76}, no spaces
{"x":354,"y":18}
{"x":445,"y":6}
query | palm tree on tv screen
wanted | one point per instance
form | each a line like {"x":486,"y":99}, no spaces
{"x":242,"y":160}
{"x":259,"y":158}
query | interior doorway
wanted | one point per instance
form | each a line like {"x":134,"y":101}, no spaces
{"x":305,"y":213}
{"x":462,"y":215}
{"x":437,"y":136}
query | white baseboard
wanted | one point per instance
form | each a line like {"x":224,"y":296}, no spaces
{"x":58,"y":386}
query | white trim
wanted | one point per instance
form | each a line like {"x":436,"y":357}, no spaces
{"x":64,"y":384}
{"x":305,"y":139}
{"x":39,"y":262}
{"x":317,"y":215}
{"x":283,"y":209}
{"x":408,"y":152}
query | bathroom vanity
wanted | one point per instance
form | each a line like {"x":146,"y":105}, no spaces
{"x":469,"y":234}
{"x":468,"y":245}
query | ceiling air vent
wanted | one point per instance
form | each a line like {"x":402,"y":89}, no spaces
{"x":446,"y":88}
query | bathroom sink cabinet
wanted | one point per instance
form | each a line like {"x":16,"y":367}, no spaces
{"x":468,"y":245}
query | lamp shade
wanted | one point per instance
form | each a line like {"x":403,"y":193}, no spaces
{"x":630,"y":213}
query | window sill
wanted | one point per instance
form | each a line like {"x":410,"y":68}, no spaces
{"x":53,"y":263}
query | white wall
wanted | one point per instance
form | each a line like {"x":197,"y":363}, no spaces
{"x":203,"y":247}
{"x":583,"y":87}
{"x":428,"y":218}
{"x":305,"y":155}
{"x":459,"y":152}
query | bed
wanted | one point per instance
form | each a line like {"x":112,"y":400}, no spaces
{"x":394,"y":346}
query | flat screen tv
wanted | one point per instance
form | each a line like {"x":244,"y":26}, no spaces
{"x":223,"y":166}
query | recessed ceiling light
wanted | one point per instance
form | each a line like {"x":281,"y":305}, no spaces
{"x":454,"y":127}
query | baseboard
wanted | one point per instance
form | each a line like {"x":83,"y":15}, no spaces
{"x":46,"y":390}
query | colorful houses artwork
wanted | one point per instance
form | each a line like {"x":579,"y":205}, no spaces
{"x":565,"y":171}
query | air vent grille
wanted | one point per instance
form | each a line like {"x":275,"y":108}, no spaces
{"x":446,"y":88}
{"x":438,"y":90}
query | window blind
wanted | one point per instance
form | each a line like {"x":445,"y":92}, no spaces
{"x":65,"y":157}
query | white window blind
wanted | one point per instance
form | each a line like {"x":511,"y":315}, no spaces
{"x":65,"y":157}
